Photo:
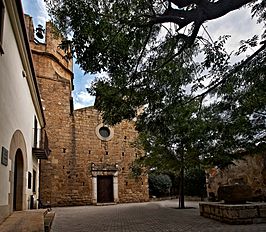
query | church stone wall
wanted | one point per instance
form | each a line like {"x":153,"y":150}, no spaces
{"x":78,"y":156}
{"x":250,"y":171}
{"x":117,"y":152}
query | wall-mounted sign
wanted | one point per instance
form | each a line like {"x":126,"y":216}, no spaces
{"x":4,"y":156}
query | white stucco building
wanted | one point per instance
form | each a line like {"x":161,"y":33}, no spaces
{"x":23,"y":140}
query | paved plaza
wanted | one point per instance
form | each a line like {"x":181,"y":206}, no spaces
{"x":141,"y":217}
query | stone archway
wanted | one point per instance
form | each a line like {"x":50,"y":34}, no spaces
{"x":18,"y":157}
{"x":18,"y":181}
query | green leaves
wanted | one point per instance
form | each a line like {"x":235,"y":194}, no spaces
{"x":253,"y":42}
{"x":259,"y":10}
{"x":204,"y":111}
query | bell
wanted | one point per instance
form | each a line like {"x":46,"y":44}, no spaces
{"x":39,"y":31}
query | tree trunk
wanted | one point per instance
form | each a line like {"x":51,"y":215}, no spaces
{"x":181,"y":185}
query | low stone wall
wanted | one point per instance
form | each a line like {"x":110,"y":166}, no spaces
{"x":187,"y":198}
{"x":250,"y":213}
{"x":162,"y":198}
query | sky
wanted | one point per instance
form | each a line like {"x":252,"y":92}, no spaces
{"x":238,"y":24}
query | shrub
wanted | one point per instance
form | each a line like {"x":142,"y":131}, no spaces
{"x":159,"y":185}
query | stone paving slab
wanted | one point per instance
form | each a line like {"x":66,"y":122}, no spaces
{"x":141,"y":217}
{"x":24,"y":221}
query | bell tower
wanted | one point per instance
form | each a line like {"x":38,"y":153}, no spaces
{"x":54,"y":70}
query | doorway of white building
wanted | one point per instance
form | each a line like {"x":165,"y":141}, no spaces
{"x":18,"y":181}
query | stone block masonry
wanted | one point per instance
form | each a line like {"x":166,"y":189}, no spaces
{"x":118,"y":153}
{"x":251,"y":171}
{"x":86,"y":165}
{"x":251,"y":213}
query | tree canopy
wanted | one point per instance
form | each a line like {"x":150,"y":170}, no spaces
{"x":187,"y":110}
{"x":147,"y":50}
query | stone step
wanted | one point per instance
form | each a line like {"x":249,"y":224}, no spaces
{"x":106,"y":204}
{"x":48,"y":220}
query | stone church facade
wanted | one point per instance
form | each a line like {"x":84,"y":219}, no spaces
{"x":89,"y":163}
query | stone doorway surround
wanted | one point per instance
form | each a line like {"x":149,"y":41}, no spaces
{"x":104,"y":170}
{"x":18,"y":144}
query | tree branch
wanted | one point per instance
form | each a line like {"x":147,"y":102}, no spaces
{"x":184,"y":3}
{"x":204,"y":10}
{"x":233,"y":71}
{"x":189,"y":40}
{"x":143,"y":49}
{"x":260,"y":113}
{"x":151,"y":8}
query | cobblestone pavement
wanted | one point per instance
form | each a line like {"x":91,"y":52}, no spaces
{"x":141,"y":217}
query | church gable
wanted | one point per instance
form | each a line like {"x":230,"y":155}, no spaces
{"x":87,"y":157}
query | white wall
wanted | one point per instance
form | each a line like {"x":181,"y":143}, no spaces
{"x":16,"y":107}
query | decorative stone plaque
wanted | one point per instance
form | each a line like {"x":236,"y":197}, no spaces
{"x":4,"y":156}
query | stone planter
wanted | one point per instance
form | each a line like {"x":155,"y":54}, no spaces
{"x":234,"y":214}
